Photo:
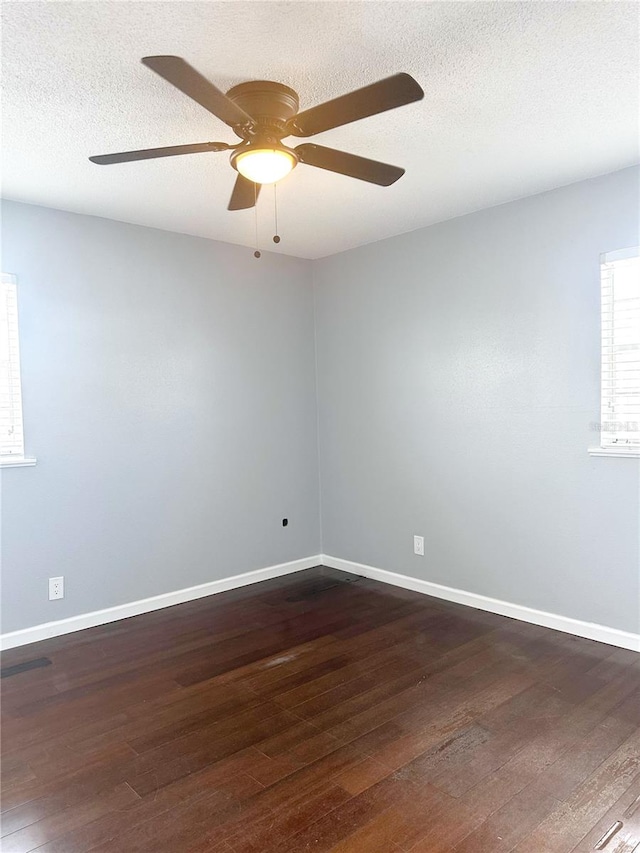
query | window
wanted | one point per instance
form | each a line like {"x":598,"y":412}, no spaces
{"x":11,"y":429}
{"x":620,"y":374}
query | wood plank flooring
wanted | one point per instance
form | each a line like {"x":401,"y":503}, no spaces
{"x":321,"y":712}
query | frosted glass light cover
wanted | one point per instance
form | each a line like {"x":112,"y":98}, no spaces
{"x":264,"y":165}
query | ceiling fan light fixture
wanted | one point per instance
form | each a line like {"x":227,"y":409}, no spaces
{"x":264,"y":165}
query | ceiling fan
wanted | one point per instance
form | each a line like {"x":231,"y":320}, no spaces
{"x":262,"y":113}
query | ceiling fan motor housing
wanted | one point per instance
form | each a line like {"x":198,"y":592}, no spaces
{"x":270,"y":104}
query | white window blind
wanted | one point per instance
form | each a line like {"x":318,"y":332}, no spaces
{"x":11,"y":429}
{"x":620,"y":377}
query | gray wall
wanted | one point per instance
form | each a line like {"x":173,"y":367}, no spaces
{"x":169,"y":396}
{"x":458,"y":375}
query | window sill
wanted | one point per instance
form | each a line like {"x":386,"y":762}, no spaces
{"x":18,"y":462}
{"x":620,"y":452}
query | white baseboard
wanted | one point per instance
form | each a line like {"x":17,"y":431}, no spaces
{"x":590,"y":630}
{"x":146,"y":605}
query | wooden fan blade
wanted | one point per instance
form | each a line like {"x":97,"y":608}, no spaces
{"x":384,"y":95}
{"x":151,"y":153}
{"x":348,"y":164}
{"x":245,"y":194}
{"x":181,"y":75}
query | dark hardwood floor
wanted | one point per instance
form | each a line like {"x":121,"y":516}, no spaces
{"x":321,"y":712}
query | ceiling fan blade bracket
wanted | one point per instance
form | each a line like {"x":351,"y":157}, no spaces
{"x":244,"y":130}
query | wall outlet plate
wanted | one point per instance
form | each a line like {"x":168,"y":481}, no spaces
{"x":418,"y":545}
{"x":56,"y":588}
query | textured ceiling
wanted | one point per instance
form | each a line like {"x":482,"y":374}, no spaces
{"x":519,"y":98}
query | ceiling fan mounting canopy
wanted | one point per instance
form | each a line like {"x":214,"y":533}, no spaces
{"x":263,"y":112}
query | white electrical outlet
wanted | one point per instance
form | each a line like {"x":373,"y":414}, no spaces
{"x":56,"y":588}
{"x":418,"y":545}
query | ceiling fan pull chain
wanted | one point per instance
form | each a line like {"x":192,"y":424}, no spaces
{"x":256,"y":254}
{"x":276,"y":238}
